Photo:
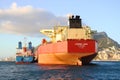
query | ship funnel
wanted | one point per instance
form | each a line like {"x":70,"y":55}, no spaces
{"x":75,"y":22}
{"x":19,"y":45}
{"x":30,"y":45}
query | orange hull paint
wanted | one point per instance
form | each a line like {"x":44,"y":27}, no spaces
{"x":62,"y":58}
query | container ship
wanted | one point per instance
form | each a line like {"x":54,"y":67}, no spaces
{"x":25,"y":54}
{"x":69,"y":45}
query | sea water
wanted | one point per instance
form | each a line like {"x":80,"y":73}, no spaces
{"x":97,"y":70}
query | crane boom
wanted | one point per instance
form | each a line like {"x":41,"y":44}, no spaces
{"x":48,"y":32}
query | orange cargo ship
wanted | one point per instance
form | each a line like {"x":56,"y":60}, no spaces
{"x":69,"y":45}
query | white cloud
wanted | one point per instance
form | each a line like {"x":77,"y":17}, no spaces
{"x":14,"y":5}
{"x":27,"y":20}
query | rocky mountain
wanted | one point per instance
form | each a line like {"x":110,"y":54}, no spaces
{"x":104,"y":41}
{"x":108,"y":54}
{"x":108,"y":49}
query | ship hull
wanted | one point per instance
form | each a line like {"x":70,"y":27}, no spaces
{"x":70,"y":52}
{"x":66,"y":58}
{"x":24,"y":59}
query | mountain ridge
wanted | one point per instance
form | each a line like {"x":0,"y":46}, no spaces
{"x":104,"y":41}
{"x":108,"y":49}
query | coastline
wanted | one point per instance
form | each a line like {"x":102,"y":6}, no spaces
{"x":107,"y":60}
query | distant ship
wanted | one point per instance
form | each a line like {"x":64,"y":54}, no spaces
{"x":69,"y":45}
{"x":25,"y":54}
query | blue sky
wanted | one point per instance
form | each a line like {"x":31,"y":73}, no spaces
{"x":24,"y":18}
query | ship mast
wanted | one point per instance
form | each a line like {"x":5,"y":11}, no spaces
{"x":25,"y":42}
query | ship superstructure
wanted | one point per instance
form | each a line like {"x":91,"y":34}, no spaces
{"x":70,"y":45}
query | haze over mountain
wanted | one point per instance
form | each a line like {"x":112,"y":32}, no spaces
{"x":104,"y":41}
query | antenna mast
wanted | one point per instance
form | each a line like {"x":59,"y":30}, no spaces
{"x":25,"y":42}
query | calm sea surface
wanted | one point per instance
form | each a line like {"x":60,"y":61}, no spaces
{"x":95,"y":71}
